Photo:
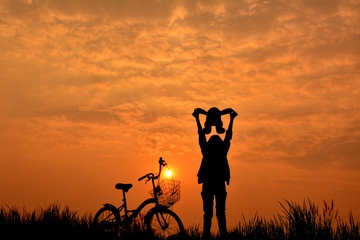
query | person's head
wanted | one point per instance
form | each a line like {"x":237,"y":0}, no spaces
{"x":215,"y":140}
{"x":214,"y":111}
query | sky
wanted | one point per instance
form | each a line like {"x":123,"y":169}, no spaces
{"x":94,"y":92}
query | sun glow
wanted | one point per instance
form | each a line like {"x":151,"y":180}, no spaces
{"x":168,"y":173}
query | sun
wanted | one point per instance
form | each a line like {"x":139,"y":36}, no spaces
{"x":168,"y":173}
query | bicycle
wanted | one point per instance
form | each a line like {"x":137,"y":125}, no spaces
{"x":159,"y":221}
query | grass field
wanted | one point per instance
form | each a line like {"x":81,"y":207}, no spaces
{"x":296,"y":221}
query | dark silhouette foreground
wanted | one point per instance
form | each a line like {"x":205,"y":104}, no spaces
{"x":160,"y":221}
{"x":214,"y":169}
{"x":296,"y":221}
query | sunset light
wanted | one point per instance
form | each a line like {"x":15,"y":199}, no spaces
{"x":94,"y":92}
{"x":168,"y":173}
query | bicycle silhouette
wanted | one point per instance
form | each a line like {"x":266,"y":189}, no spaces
{"x":159,"y":221}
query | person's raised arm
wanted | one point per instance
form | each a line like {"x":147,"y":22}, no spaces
{"x":202,"y":138}
{"x":233,"y":115}
{"x":196,"y":113}
{"x":228,"y":135}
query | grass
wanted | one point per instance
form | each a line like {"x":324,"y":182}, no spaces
{"x":44,"y":223}
{"x":296,"y":221}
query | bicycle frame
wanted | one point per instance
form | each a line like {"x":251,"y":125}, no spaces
{"x":158,"y":220}
{"x":134,"y":213}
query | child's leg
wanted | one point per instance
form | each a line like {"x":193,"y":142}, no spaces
{"x":207,"y":128}
{"x":219,"y":128}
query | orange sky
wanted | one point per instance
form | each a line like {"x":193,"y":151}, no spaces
{"x":94,"y":92}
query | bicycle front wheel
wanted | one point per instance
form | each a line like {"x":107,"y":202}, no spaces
{"x":107,"y":220}
{"x":164,"y":223}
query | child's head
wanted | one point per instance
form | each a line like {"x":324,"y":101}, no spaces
{"x":215,"y":140}
{"x":213,"y":118}
{"x":214,"y":111}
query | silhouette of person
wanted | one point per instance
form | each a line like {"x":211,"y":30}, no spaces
{"x":214,"y":172}
{"x":213,"y":118}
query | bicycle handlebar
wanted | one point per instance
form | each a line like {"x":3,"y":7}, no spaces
{"x":142,"y":178}
{"x":147,"y":175}
{"x":162,"y":163}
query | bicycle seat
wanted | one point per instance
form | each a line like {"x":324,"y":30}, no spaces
{"x":123,"y":186}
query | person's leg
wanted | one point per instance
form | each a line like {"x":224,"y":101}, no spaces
{"x":220,"y":195}
{"x":208,"y":204}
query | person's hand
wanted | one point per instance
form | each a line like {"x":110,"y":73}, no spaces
{"x":196,"y":113}
{"x":233,"y":114}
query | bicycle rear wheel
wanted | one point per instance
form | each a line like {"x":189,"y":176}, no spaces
{"x":107,"y":220}
{"x":164,"y":223}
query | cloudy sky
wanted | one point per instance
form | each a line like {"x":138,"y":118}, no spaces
{"x":94,"y":92}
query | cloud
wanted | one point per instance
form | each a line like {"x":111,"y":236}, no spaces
{"x":288,"y":68}
{"x":97,"y":90}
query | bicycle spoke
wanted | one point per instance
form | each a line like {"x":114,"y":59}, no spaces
{"x":106,"y":220}
{"x":165,"y":223}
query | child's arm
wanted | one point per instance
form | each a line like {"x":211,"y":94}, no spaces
{"x":199,"y":111}
{"x":226,"y":111}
